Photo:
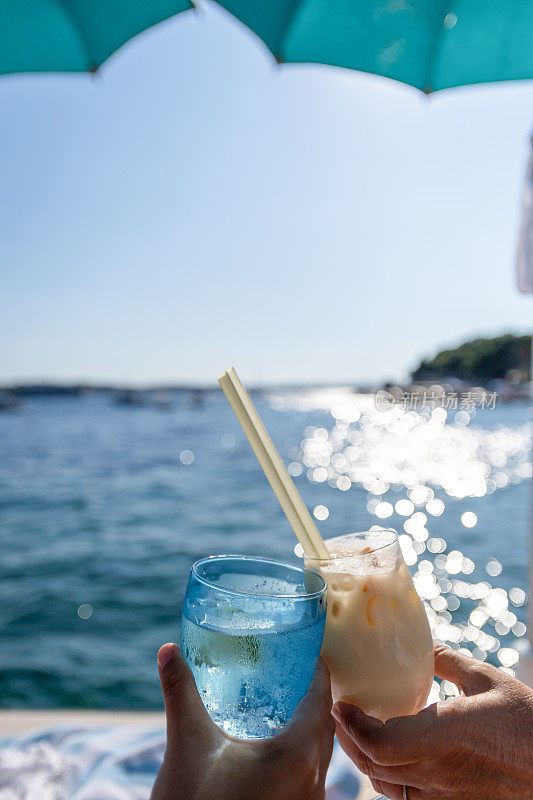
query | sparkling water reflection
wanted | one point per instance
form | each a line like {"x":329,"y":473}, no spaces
{"x":423,"y":454}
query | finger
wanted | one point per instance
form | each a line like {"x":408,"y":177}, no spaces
{"x":468,"y":674}
{"x":401,"y":774}
{"x":312,"y":716}
{"x":323,"y":757}
{"x":389,"y":790}
{"x":327,"y":748}
{"x":394,"y":792}
{"x":401,"y":740}
{"x":185,"y":712}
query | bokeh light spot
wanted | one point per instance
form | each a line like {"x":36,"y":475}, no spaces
{"x":384,"y":509}
{"x":295,"y":469}
{"x":85,"y":611}
{"x":321,"y":512}
{"x":186,"y":457}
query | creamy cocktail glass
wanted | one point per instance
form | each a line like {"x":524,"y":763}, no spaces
{"x":378,"y":643}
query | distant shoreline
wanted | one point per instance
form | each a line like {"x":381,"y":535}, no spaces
{"x":13,"y":394}
{"x":72,"y":390}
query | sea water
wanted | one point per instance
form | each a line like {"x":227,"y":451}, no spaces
{"x":251,"y":679}
{"x":98,"y":514}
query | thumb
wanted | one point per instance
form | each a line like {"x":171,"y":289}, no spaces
{"x":185,"y":712}
{"x":472,"y":676}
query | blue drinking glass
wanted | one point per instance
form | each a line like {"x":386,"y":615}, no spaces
{"x":251,"y":633}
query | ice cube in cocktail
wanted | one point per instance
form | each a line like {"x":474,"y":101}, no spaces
{"x":251,"y":681}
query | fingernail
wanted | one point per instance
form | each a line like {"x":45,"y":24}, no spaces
{"x":166,"y":653}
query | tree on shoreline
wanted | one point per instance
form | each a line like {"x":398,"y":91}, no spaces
{"x":480,"y":361}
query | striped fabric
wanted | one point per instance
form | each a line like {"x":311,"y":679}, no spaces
{"x":116,"y":763}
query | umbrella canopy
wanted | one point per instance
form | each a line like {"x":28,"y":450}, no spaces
{"x":73,"y":35}
{"x":429,"y":44}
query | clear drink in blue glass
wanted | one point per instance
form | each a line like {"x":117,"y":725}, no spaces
{"x":251,"y":633}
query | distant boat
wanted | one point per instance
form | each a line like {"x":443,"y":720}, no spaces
{"x":8,"y":402}
{"x":196,"y":398}
{"x":129,"y":397}
{"x":162,"y":399}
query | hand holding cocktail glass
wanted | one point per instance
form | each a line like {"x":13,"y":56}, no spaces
{"x":252,"y":628}
{"x":377,"y":644}
{"x":204,"y":763}
{"x":477,"y":746}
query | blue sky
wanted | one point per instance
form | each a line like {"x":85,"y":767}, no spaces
{"x":195,"y":206}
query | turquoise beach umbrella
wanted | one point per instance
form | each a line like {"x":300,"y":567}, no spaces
{"x":429,"y":44}
{"x":73,"y":35}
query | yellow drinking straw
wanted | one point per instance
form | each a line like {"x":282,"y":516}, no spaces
{"x":289,"y":498}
